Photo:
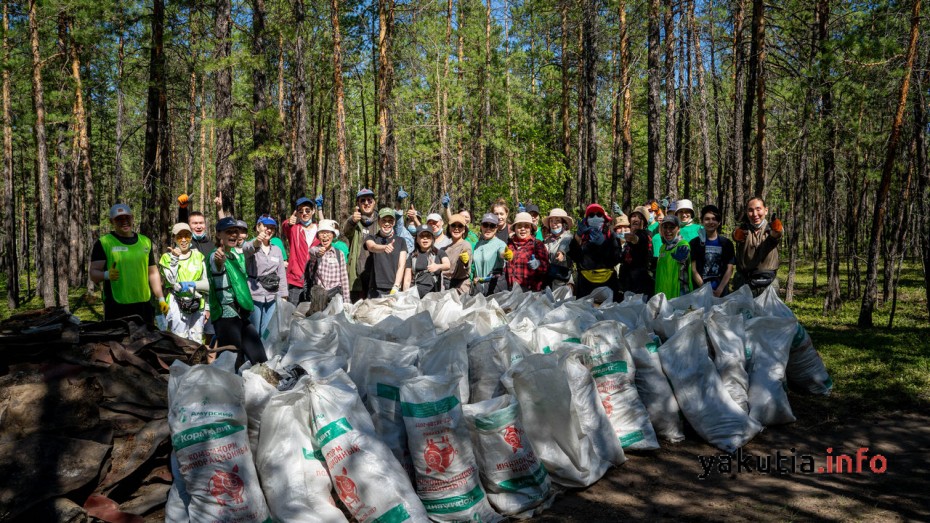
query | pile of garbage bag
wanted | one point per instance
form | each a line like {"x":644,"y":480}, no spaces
{"x":454,"y":408}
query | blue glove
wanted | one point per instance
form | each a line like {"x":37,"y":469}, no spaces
{"x":533,"y":264}
{"x":446,"y":200}
{"x":521,"y":207}
{"x":664,"y":203}
{"x":188,"y":286}
{"x":402,"y":194}
{"x":616,"y":209}
{"x":583,"y":227}
{"x":319,"y":201}
{"x":681,"y":253}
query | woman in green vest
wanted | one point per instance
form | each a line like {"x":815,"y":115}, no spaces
{"x":185,"y":278}
{"x":673,"y":271}
{"x":124,"y":262}
{"x":230,"y":299}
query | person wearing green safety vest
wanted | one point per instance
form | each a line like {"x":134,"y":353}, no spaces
{"x":673,"y":270}
{"x":230,"y":299}
{"x":123,"y":261}
{"x":185,"y":277}
{"x":689,"y":228}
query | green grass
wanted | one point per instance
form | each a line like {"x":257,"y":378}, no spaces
{"x":872,"y":369}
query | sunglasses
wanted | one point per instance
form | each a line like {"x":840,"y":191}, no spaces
{"x":366,"y":200}
{"x":596,"y":215}
{"x":305,"y":210}
{"x":488,"y":226}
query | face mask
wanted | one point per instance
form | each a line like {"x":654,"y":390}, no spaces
{"x":412,"y":228}
{"x":437,"y":233}
{"x":306,"y":223}
{"x":596,"y":221}
{"x":200,"y":237}
{"x":557,"y":229}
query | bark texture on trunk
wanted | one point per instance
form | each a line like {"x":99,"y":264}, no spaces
{"x":387,"y":161}
{"x":653,"y":140}
{"x":343,"y":204}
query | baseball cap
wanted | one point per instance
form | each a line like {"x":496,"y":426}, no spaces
{"x":422,"y":229}
{"x":459,"y":219}
{"x":303,"y":200}
{"x":490,"y":218}
{"x":531,"y":208}
{"x":671,"y":218}
{"x":242,"y":225}
{"x":385,"y":211}
{"x":433,"y":217}
{"x":178,"y":227}
{"x":226,"y":223}
{"x":364,"y":192}
{"x":120,"y":209}
{"x":267,"y":220}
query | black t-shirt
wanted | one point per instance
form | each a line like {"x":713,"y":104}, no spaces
{"x":503,"y":234}
{"x":417,"y":262}
{"x":384,"y":265}
{"x":97,"y":253}
{"x":712,"y":257}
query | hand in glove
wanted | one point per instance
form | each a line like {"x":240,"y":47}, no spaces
{"x":739,"y":235}
{"x":163,"y":305}
{"x":402,"y":194}
{"x":533,"y":264}
{"x":521,"y":207}
{"x":183,"y":200}
{"x":681,"y":253}
{"x":615,"y":208}
{"x":394,"y":290}
{"x":446,"y":200}
{"x":319,"y":201}
{"x":188,"y":286}
{"x":777,"y":226}
{"x":507,"y":254}
{"x":464,"y":257}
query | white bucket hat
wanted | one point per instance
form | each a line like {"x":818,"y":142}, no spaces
{"x":328,"y":225}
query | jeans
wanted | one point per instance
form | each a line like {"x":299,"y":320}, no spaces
{"x":261,"y":316}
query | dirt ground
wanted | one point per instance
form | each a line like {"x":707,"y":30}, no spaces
{"x":664,"y":484}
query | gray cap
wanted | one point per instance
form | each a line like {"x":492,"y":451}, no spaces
{"x":120,"y":209}
{"x":490,"y":218}
{"x":671,"y":218}
{"x":424,"y":228}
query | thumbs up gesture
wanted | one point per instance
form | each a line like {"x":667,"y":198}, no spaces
{"x":113,"y":273}
{"x":357,"y":215}
{"x":219,"y":256}
{"x":218,"y":201}
{"x":293,"y":219}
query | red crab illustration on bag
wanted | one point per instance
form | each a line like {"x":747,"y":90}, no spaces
{"x":227,"y":487}
{"x":437,"y":458}
{"x":512,"y":437}
{"x":608,"y":408}
{"x":346,"y":489}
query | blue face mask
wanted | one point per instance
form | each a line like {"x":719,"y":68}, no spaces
{"x":556,"y":229}
{"x":412,"y":228}
{"x":306,"y":223}
{"x":596,"y":221}
{"x":199,"y":237}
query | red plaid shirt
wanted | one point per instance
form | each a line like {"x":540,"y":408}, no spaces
{"x":518,"y":271}
{"x":330,"y":271}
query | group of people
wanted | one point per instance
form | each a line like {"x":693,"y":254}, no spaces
{"x":224,"y":288}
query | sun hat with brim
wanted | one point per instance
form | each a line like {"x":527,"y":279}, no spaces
{"x":120,"y":209}
{"x":328,"y":225}
{"x":523,"y":217}
{"x":490,"y":218}
{"x":459,"y":219}
{"x":620,"y":221}
{"x":643,"y":211}
{"x":684,"y":204}
{"x":560,"y":214}
{"x":226,"y":223}
{"x":385,"y":211}
{"x":178,"y":227}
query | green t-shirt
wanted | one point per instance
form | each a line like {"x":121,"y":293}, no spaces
{"x":690,"y":231}
{"x":486,"y":257}
{"x":341,"y":246}
{"x":275,"y":241}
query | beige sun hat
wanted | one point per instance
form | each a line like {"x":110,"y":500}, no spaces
{"x":329,"y":225}
{"x":561,"y":214}
{"x":523,"y":217}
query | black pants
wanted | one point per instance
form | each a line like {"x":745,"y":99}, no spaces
{"x":113,"y":311}
{"x":240,"y":333}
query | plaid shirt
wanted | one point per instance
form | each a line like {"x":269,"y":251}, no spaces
{"x":518,"y":271}
{"x":330,"y":271}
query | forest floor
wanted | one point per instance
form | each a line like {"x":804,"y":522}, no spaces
{"x":880,"y":401}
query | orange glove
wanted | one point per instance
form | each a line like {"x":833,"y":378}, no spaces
{"x":777,"y":226}
{"x":739,"y":235}
{"x":183,"y":200}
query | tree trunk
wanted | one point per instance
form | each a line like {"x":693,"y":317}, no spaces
{"x":120,"y":112}
{"x":299,"y":133}
{"x":444,"y":153}
{"x":589,"y":54}
{"x":261,"y":133}
{"x":758,"y":38}
{"x":653,"y":139}
{"x":833,"y":299}
{"x":281,"y":203}
{"x":878,"y":216}
{"x":723,"y":199}
{"x":387,"y":161}
{"x":45,"y":234}
{"x":343,"y":206}
{"x":672,"y":168}
{"x":203,"y":144}
{"x":565,"y":141}
{"x":737,"y":141}
{"x":10,"y":256}
{"x":702,"y":109}
{"x":923,"y":175}
{"x":155,"y":165}
{"x":82,"y":172}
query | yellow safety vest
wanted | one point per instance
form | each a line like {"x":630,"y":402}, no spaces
{"x":132,"y":261}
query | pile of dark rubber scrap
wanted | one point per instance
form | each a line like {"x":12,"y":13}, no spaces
{"x":83,"y":418}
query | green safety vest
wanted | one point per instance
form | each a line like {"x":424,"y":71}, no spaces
{"x":190,"y":269}
{"x":235,"y":280}
{"x":668,"y":272}
{"x":132,"y":261}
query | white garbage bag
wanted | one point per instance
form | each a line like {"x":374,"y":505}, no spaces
{"x":292,"y":470}
{"x":275,"y":337}
{"x":770,"y":338}
{"x":738,"y":302}
{"x":447,"y":355}
{"x":700,"y":298}
{"x":806,"y":371}
{"x":383,"y":403}
{"x":514,"y":478}
{"x":368,"y":479}
{"x":727,"y":335}
{"x":546,"y":336}
{"x":700,"y":392}
{"x":489,"y":358}
{"x":443,"y":459}
{"x":311,"y":335}
{"x":552,"y":424}
{"x":614,"y":372}
{"x":653,"y":387}
{"x":207,"y":419}
{"x":258,"y":390}
{"x":370,"y":352}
